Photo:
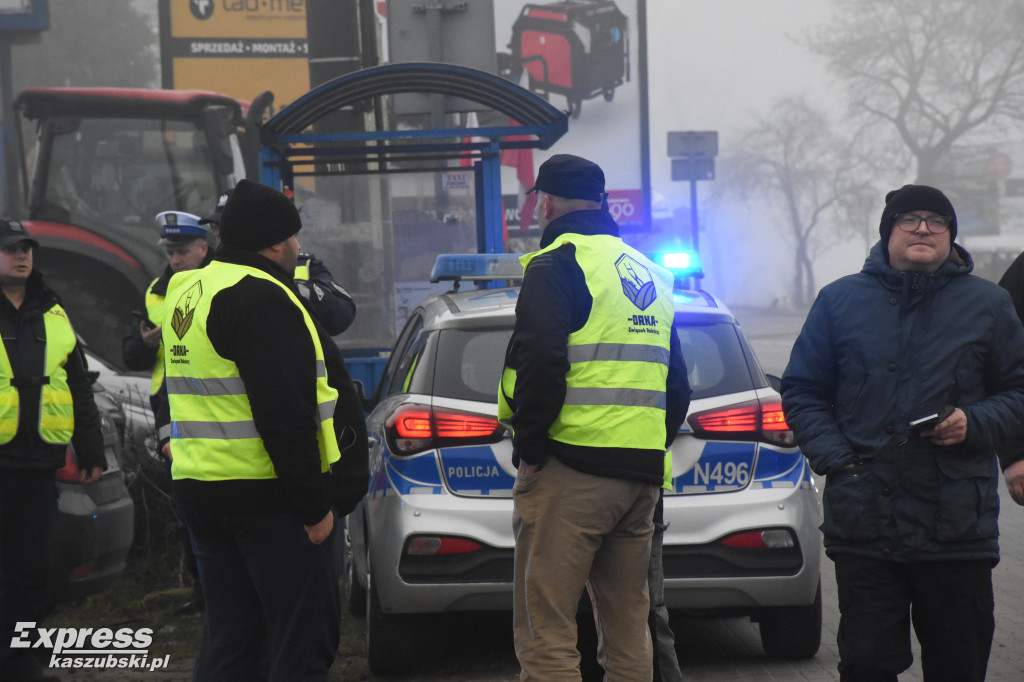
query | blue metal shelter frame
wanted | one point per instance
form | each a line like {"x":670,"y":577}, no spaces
{"x":284,"y":145}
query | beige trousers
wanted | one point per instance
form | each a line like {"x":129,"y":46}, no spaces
{"x":574,"y":530}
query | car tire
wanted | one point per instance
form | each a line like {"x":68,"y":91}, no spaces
{"x":792,"y":632}
{"x":355,"y":593}
{"x":392,"y":640}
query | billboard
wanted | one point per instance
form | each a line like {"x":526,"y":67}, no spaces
{"x":235,"y":47}
{"x":582,"y":57}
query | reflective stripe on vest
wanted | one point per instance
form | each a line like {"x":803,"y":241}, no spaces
{"x":302,"y":268}
{"x":155,"y":308}
{"x":56,"y":404}
{"x":215,"y":437}
{"x":618,"y":361}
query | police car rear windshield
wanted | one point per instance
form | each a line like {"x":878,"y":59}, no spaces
{"x":469,"y":363}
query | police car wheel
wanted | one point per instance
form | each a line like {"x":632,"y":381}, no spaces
{"x":391,"y":639}
{"x":355,"y":594}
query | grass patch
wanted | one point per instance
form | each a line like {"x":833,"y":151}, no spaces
{"x":145,"y":596}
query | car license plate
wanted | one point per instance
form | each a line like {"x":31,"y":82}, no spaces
{"x":722,"y":467}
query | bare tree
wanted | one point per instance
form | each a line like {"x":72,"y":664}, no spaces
{"x":792,"y":162}
{"x":932,"y":71}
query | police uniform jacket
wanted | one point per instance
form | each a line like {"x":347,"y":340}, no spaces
{"x":553,"y":303}
{"x":24,"y":339}
{"x":137,"y":355}
{"x":879,"y":349}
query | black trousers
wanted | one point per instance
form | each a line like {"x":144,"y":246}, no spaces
{"x":273,"y":609}
{"x":949,"y":603}
{"x":28,"y":510}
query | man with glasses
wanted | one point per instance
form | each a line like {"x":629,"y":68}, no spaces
{"x":46,"y":402}
{"x":900,"y":385}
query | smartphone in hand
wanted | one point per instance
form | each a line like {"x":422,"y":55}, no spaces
{"x":923,"y":423}
{"x":144,"y":319}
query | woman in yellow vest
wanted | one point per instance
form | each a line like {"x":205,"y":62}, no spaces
{"x":252,"y":439}
{"x":46,"y":402}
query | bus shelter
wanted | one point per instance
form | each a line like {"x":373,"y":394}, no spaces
{"x":289,"y":149}
{"x":379,"y":203}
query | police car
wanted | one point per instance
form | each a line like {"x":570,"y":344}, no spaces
{"x":434,"y":532}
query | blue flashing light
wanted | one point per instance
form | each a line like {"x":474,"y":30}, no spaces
{"x":476,"y":267}
{"x":681,"y":263}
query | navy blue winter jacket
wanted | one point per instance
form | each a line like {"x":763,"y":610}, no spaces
{"x":879,"y":349}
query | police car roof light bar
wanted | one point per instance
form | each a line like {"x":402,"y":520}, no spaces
{"x":476,"y":267}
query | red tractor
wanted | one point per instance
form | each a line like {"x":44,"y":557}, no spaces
{"x":105,"y":162}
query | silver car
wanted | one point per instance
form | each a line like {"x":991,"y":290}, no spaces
{"x":95,"y":521}
{"x":434,"y":532}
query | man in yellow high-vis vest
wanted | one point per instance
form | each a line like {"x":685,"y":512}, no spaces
{"x":46,"y":402}
{"x":253,"y":438}
{"x":600,"y":391}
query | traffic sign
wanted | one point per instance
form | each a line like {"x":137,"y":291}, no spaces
{"x":693,"y":168}
{"x":693,"y":143}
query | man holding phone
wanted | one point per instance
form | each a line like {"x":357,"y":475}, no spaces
{"x":184,"y":239}
{"x":911,"y":511}
{"x":185,"y":242}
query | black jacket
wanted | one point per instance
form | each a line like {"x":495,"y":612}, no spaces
{"x":335,"y":310}
{"x":879,"y":349}
{"x":24,"y":338}
{"x":1012,"y":451}
{"x":275,"y":361}
{"x":553,"y":303}
{"x":136,"y":354}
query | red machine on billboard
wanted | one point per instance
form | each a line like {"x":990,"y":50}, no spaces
{"x":577,"y":49}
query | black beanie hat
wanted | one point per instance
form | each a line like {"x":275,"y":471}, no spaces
{"x":257,"y":216}
{"x":915,"y":198}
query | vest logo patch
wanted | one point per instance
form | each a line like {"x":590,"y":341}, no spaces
{"x":185,"y":308}
{"x":637,"y":282}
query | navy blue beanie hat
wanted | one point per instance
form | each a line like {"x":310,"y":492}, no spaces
{"x":915,"y":198}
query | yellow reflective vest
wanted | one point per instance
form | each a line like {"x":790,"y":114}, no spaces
{"x":618,"y":361}
{"x":155,"y":305}
{"x":212,"y":429}
{"x":56,"y":411}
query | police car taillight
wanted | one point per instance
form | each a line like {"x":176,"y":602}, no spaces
{"x":776,"y":538}
{"x":430,"y":545}
{"x":413,"y":428}
{"x":752,"y":420}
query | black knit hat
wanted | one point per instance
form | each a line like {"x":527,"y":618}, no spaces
{"x":915,"y":198}
{"x":257,"y":216}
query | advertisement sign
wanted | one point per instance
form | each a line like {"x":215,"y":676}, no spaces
{"x":583,"y":58}
{"x":235,"y":47}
